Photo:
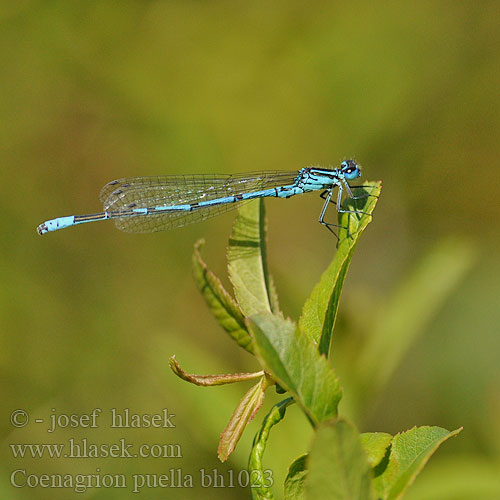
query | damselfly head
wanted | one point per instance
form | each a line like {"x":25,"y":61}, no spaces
{"x":350,"y":169}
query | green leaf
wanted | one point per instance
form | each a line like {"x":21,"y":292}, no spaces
{"x":222,"y":305}
{"x":320,"y":310}
{"x":247,"y":261}
{"x":211,"y":380}
{"x":295,"y":363}
{"x":242,"y":415}
{"x":375,"y":445}
{"x":409,"y":452}
{"x":337,"y":465}
{"x":410,"y":310}
{"x":295,"y":479}
{"x":263,"y":491}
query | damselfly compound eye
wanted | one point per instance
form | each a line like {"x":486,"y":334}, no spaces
{"x":350,"y":169}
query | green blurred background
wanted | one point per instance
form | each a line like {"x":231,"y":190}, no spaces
{"x":93,"y":91}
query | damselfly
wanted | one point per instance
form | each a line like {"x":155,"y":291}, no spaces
{"x":147,"y":204}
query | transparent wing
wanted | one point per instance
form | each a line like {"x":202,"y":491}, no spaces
{"x":174,"y":190}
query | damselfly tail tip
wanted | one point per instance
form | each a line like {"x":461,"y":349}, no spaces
{"x":42,"y":229}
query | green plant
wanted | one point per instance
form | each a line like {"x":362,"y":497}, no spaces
{"x":342,"y":463}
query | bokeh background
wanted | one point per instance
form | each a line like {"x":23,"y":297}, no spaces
{"x":93,"y":91}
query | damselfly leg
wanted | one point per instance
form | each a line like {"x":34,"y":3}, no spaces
{"x":327,"y":196}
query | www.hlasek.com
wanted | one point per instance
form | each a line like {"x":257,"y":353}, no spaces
{"x":85,"y":448}
{"x":174,"y":478}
